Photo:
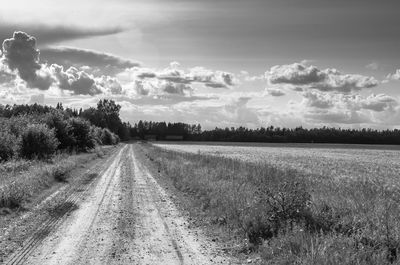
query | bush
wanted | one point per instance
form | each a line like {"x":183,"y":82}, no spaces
{"x":62,"y":128}
{"x":38,"y":141}
{"x":81,"y":132}
{"x":96,"y":134}
{"x":108,"y":138}
{"x":8,"y":146}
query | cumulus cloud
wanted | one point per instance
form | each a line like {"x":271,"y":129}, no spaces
{"x":20,"y":53}
{"x":20,"y":58}
{"x":97,"y":63}
{"x":216,"y":79}
{"x":304,"y":76}
{"x":379,"y":102}
{"x":53,"y":34}
{"x":75,"y":80}
{"x":275,"y":92}
{"x":376,"y":103}
{"x":160,"y":88}
{"x":318,"y":100}
{"x":394,"y":76}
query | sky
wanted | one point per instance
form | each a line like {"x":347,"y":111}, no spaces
{"x":224,"y":63}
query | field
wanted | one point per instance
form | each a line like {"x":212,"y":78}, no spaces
{"x":336,"y":161}
{"x":295,"y":204}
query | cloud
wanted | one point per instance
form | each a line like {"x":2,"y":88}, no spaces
{"x":201,"y":75}
{"x":216,"y":79}
{"x":379,"y":102}
{"x":20,"y":53}
{"x":318,"y":100}
{"x":275,"y":92}
{"x":372,"y":66}
{"x":109,"y":84}
{"x":304,"y":76}
{"x":394,"y":76}
{"x":235,"y":112}
{"x":75,"y":80}
{"x":376,"y":103}
{"x":39,"y":99}
{"x":337,"y":117}
{"x":98,"y":63}
{"x":55,"y":34}
{"x":161,"y":87}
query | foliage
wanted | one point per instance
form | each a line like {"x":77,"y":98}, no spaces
{"x":108,"y":138}
{"x":269,"y":134}
{"x":8,"y":146}
{"x":80,"y":130}
{"x":70,"y":129}
{"x":37,"y":140}
{"x":63,"y":129}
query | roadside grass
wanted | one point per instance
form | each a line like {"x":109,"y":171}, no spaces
{"x":287,"y":216}
{"x":20,"y":180}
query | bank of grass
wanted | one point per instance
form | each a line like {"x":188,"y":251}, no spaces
{"x":20,"y":179}
{"x":289,"y":217}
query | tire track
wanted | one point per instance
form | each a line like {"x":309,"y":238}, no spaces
{"x":68,"y":205}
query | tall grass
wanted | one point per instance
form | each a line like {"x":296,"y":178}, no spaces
{"x":291,"y":217}
{"x":21,"y":179}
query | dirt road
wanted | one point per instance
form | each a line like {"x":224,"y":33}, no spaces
{"x":124,"y":217}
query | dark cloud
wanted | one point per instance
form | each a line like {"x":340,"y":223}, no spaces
{"x":175,"y":88}
{"x":301,"y":75}
{"x":55,"y":34}
{"x":275,"y":92}
{"x":20,"y":53}
{"x":214,"y":79}
{"x":98,"y":63}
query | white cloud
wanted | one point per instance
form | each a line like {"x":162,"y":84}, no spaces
{"x":394,"y":76}
{"x":304,"y":76}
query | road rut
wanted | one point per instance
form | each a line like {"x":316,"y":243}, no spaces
{"x":125,"y":218}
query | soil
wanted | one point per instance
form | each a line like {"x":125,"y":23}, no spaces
{"x":117,"y":214}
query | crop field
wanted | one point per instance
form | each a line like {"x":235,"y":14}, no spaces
{"x":302,"y":203}
{"x":337,"y":161}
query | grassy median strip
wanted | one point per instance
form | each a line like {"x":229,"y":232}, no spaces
{"x":290,"y":217}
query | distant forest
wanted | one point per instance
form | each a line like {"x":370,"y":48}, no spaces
{"x":106,"y":115}
{"x":271,"y":134}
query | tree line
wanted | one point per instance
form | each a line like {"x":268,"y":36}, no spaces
{"x":106,"y":115}
{"x":36,"y":131}
{"x":270,"y":134}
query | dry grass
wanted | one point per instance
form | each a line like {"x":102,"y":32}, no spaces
{"x":295,"y":216}
{"x":20,"y":179}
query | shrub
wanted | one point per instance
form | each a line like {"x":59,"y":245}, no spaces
{"x":62,"y":128}
{"x":108,"y":138}
{"x":38,"y":141}
{"x":8,"y":145}
{"x":81,"y":133}
{"x":96,"y":134}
